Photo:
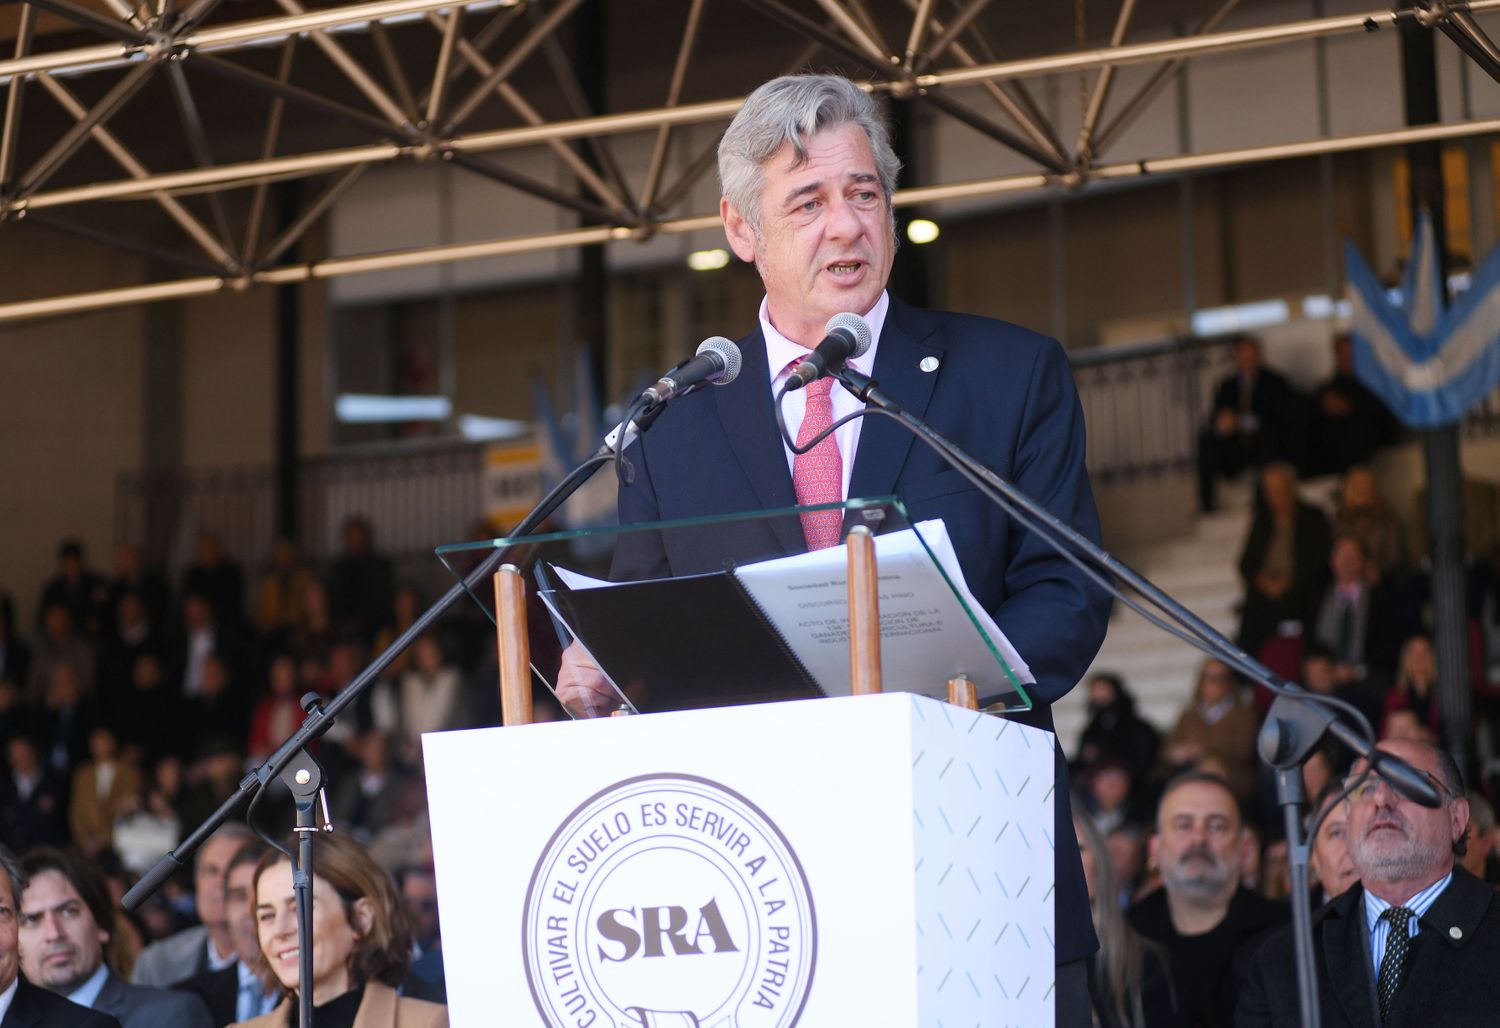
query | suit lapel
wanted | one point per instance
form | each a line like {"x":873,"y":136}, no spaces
{"x":25,"y":1011}
{"x":907,"y":336}
{"x":750,"y":425}
{"x":1346,"y":947}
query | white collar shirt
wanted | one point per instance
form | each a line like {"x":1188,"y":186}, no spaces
{"x":781,"y":351}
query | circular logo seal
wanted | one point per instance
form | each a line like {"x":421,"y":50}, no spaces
{"x":669,"y":900}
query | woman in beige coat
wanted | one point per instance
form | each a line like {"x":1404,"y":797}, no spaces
{"x":362,"y":942}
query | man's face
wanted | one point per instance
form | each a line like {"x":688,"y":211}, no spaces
{"x":1393,"y":839}
{"x":239,"y":911}
{"x":1348,"y":562}
{"x":826,"y":240}
{"x":208,"y":878}
{"x":61,"y":944}
{"x":1197,"y":842}
{"x":420,"y":893}
{"x":10,"y":942}
{"x":1330,"y":852}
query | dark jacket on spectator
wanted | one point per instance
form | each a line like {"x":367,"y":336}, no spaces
{"x":1262,"y":614}
{"x":1451,"y":977}
{"x":1208,"y":970}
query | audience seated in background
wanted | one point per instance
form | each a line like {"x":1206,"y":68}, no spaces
{"x":105,"y":789}
{"x":1331,"y":868}
{"x":1355,"y":620}
{"x":278,"y":606}
{"x":1318,"y":676}
{"x":1284,"y":559}
{"x":1202,"y":916}
{"x":1216,"y":724}
{"x":362,"y":941}
{"x":75,"y":587}
{"x":67,"y":920}
{"x":216,"y":579}
{"x":1349,"y":422}
{"x":1257,"y":418}
{"x":1130,"y":985}
{"x":132,"y":576}
{"x":15,"y":655}
{"x":133,"y":633}
{"x":1417,"y":941}
{"x":279,"y":712}
{"x":235,"y":992}
{"x":1362,"y":511}
{"x":1415,"y":687}
{"x":30,"y":1006}
{"x":360,"y":584}
{"x":33,"y":800}
{"x":419,"y":892}
{"x":208,"y":945}
{"x":60,"y":644}
{"x":431,"y":697}
{"x":1115,"y":731}
{"x":1481,"y":856}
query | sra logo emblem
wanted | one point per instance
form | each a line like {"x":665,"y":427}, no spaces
{"x":669,"y":900}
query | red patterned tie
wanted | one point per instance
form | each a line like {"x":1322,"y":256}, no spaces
{"x":818,"y":474}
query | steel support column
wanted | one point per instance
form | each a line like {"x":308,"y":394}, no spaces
{"x":1440,"y":446}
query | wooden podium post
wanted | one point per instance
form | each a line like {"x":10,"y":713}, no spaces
{"x":514,"y":646}
{"x":864,"y":613}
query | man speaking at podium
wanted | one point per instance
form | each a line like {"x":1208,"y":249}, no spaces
{"x":807,"y":173}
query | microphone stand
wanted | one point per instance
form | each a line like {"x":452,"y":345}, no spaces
{"x":1298,"y":719}
{"x":306,"y":779}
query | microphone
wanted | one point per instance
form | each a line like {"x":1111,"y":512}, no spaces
{"x":717,"y":361}
{"x":1405,"y":779}
{"x":847,"y":336}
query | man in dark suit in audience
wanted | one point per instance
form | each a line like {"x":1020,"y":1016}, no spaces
{"x":66,"y":921}
{"x":234,"y":993}
{"x":1258,"y":417}
{"x":1417,"y":942}
{"x":23,"y":1005}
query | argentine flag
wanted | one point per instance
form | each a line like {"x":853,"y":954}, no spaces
{"x":1431,"y":366}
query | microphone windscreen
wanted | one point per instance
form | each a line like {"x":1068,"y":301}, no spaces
{"x":856,"y":326}
{"x":728,"y":352}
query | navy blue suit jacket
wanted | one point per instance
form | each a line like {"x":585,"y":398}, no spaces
{"x":1003,"y":393}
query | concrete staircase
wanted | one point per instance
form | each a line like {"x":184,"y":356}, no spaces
{"x":1200,"y":571}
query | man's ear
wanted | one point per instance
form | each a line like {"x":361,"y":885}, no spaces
{"x":1460,"y":822}
{"x":1152,"y":844}
{"x":737,"y":230}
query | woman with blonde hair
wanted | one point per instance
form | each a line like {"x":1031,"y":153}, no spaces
{"x":362,"y":942}
{"x":1129,"y":984}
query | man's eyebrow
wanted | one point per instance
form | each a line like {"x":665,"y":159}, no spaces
{"x":818,"y":186}
{"x":800,"y":191}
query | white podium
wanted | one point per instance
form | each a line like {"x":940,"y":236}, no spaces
{"x":876,"y":861}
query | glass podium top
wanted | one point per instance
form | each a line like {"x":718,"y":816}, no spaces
{"x":731,"y":608}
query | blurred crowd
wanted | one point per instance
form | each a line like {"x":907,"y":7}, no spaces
{"x":131,"y":707}
{"x":1184,"y":842}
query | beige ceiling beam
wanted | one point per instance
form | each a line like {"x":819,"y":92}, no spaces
{"x":340,"y":267}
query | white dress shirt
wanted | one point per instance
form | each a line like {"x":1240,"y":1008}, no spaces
{"x":781,"y":351}
{"x":8,"y":995}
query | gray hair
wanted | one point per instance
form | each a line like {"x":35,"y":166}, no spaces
{"x":792,"y":109}
{"x":17,"y":875}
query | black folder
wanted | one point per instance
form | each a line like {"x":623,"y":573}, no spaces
{"x":684,"y":643}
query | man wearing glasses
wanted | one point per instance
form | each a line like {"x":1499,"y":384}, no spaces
{"x":1418,"y":940}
